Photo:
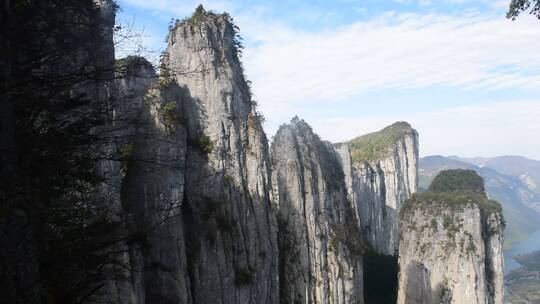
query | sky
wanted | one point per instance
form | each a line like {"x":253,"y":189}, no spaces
{"x":463,"y":75}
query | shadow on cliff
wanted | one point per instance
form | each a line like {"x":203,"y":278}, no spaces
{"x":380,"y":278}
{"x":418,"y":289}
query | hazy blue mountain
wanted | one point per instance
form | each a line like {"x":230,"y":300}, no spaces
{"x":515,"y":196}
{"x":523,"y":284}
{"x":526,"y":170}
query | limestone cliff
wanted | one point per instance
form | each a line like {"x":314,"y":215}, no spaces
{"x":319,"y":242}
{"x":192,"y":208}
{"x":381,"y":172}
{"x":192,"y":165}
{"x":230,"y":233}
{"x":451,"y":240}
{"x":149,"y":176}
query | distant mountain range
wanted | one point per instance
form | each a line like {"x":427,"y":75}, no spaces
{"x":514,"y":181}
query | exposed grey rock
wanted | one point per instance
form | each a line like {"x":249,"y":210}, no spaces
{"x":450,"y":250}
{"x":191,"y":203}
{"x":231,"y":234}
{"x":145,"y":180}
{"x":319,"y":242}
{"x":379,"y":183}
{"x":435,"y":260}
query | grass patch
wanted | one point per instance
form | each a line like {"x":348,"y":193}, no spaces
{"x":376,"y":145}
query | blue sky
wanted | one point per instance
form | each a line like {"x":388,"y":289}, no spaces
{"x":466,"y":77}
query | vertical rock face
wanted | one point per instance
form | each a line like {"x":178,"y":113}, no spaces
{"x":149,"y":176}
{"x":381,"y":172}
{"x":450,"y":248}
{"x":319,"y":245}
{"x":230,"y":234}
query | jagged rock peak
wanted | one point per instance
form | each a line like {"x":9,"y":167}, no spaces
{"x":208,"y":23}
{"x":133,"y":65}
{"x":319,"y":243}
{"x":379,"y":144}
{"x":227,"y":188}
{"x":298,"y":124}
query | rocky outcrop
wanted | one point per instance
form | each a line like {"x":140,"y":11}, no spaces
{"x":230,"y":233}
{"x":319,"y":242}
{"x":192,"y":165}
{"x":381,"y":172}
{"x":450,"y":247}
{"x":147,"y":177}
{"x":187,"y":209}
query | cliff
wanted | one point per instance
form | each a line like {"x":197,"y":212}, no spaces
{"x":179,"y":200}
{"x":230,"y":232}
{"x":320,"y":245}
{"x":451,"y":243}
{"x":381,"y":172}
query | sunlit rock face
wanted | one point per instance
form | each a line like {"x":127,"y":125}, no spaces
{"x":381,"y":172}
{"x":451,"y":248}
{"x":229,"y":229}
{"x":319,"y":242}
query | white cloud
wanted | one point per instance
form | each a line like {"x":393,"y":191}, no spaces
{"x":489,"y":130}
{"x":183,"y":8}
{"x":296,"y":69}
{"x":289,"y":68}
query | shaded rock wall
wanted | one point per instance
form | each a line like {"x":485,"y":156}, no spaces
{"x":319,"y":243}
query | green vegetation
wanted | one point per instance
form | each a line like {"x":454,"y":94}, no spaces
{"x":518,"y":6}
{"x":453,"y":200}
{"x":205,"y":144}
{"x":455,"y":189}
{"x":376,"y":145}
{"x":169,"y":113}
{"x":199,"y":15}
{"x":125,"y":154}
{"x":458,"y":180}
{"x":132,"y":63}
{"x":197,"y":18}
